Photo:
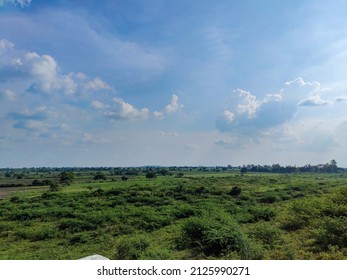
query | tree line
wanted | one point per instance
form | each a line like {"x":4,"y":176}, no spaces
{"x":330,"y":167}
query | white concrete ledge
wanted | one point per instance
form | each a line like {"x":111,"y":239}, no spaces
{"x":94,"y":257}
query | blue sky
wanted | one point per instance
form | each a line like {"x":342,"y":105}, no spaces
{"x":130,"y":83}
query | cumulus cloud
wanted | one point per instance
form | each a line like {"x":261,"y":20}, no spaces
{"x":44,"y":70}
{"x":248,"y":103}
{"x":174,"y":105}
{"x":245,"y":113}
{"x":228,"y":116}
{"x":42,"y":73}
{"x":126,"y":111}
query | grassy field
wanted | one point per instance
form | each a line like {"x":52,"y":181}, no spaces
{"x":196,"y":215}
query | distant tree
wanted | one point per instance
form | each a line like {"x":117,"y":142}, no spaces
{"x":66,"y":178}
{"x":125,"y":178}
{"x":164,"y":172}
{"x":99,"y":176}
{"x":243,"y":170}
{"x":36,"y":183}
{"x":333,"y":166}
{"x":151,"y":175}
{"x":20,"y":176}
{"x":179,"y":175}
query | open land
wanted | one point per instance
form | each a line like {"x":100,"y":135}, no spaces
{"x":172,"y":213}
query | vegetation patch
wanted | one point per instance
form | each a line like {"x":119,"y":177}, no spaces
{"x":178,"y":213}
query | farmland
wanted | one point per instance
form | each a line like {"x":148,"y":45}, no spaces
{"x":172,"y":213}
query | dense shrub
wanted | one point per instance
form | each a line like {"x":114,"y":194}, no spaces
{"x":300,"y":214}
{"x":332,"y":232}
{"x":266,"y":233}
{"x":131,"y":248}
{"x":99,"y":176}
{"x":184,"y":211}
{"x":151,"y":175}
{"x":214,"y":235}
{"x":76,"y":225}
{"x":235,"y":191}
{"x":262,"y":213}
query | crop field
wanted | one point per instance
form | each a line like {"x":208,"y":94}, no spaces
{"x":176,"y":214}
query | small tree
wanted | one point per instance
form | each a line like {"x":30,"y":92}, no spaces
{"x":66,"y":178}
{"x":99,"y":176}
{"x":151,"y":175}
{"x":124,"y":178}
{"x":243,"y":170}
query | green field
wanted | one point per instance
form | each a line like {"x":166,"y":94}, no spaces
{"x":186,"y":214}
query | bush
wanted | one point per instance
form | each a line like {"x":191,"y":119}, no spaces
{"x":300,"y":213}
{"x":214,"y":236}
{"x":79,"y":238}
{"x":269,"y":199}
{"x":333,"y":232}
{"x":151,"y":175}
{"x":131,"y":248}
{"x":235,"y":191}
{"x":66,"y":178}
{"x":184,"y":211}
{"x":266,"y":233}
{"x":75,"y":225}
{"x":100,"y":176}
{"x":262,"y":214}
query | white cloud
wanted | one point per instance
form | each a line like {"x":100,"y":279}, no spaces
{"x":158,"y":115}
{"x":98,"y":105}
{"x":245,"y":113}
{"x":127,"y":111}
{"x":248,"y":103}
{"x":44,"y":71}
{"x":313,"y":101}
{"x":174,"y":105}
{"x":97,"y":84}
{"x":41,"y":73}
{"x":228,"y":116}
{"x":22,"y":3}
{"x":5,"y":44}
